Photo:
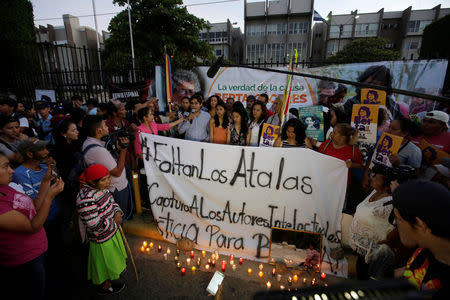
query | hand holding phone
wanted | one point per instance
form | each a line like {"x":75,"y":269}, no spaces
{"x":215,"y":282}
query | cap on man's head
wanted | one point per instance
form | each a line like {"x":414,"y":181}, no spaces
{"x":438,"y":115}
{"x":117,"y":103}
{"x":31,"y":145}
{"x":426,"y":200}
{"x":42,"y":104}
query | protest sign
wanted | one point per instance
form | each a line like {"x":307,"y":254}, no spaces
{"x":45,"y":95}
{"x":371,"y":96}
{"x":312,"y":117}
{"x":268,"y":135}
{"x":227,"y":198}
{"x":431,"y":155}
{"x":388,"y":145}
{"x":365,"y":118}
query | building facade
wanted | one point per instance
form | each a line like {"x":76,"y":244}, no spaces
{"x":225,"y":40}
{"x":402,"y":29}
{"x":273,"y":29}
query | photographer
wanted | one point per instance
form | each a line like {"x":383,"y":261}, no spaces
{"x":97,"y":132}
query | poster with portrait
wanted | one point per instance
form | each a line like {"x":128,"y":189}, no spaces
{"x":365,"y":118}
{"x":372,"y":96}
{"x":269,"y":134}
{"x":312,"y":117}
{"x":431,"y":155}
{"x":388,"y":145}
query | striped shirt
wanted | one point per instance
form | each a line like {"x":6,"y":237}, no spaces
{"x":96,"y":209}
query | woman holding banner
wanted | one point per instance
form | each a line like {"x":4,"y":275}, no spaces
{"x":257,"y":119}
{"x":292,"y":135}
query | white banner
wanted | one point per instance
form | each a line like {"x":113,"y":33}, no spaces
{"x":227,"y":198}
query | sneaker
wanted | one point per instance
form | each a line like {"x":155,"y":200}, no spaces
{"x":115,"y":288}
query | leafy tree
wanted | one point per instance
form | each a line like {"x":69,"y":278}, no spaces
{"x":364,"y":50}
{"x":158,"y":26}
{"x":433,"y":43}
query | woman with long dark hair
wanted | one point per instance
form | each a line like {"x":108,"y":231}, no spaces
{"x":218,"y":126}
{"x":238,"y":131}
{"x":292,"y":135}
{"x":257,"y":119}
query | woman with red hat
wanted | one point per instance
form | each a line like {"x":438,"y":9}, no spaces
{"x":102,"y":216}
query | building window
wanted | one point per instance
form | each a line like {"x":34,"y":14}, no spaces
{"x":334,"y":31}
{"x":346,"y":31}
{"x":298,"y":28}
{"x":417,"y":26}
{"x":412,"y":45}
{"x":301,"y":49}
{"x":332,"y":47}
{"x":366,"y":29}
{"x":255,"y":52}
{"x":203,"y":36}
{"x":255,"y":30}
{"x":276,"y":29}
{"x":218,"y":52}
{"x":275,"y":52}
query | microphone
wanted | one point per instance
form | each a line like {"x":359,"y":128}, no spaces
{"x":212,"y":71}
{"x":192,"y":111}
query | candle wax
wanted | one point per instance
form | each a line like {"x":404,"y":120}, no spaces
{"x":241,"y":260}
{"x":260,"y":274}
{"x":183,"y":271}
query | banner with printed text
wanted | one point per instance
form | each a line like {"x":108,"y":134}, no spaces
{"x":227,"y":198}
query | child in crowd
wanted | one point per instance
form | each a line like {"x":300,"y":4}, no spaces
{"x":101,"y":215}
{"x":218,"y":125}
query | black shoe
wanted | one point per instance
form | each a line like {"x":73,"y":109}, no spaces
{"x":115,"y":288}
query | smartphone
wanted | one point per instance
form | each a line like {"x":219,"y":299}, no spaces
{"x":214,"y":283}
{"x":55,"y":172}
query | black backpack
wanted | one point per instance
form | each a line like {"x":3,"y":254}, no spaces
{"x":80,"y":166}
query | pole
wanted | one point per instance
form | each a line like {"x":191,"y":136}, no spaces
{"x":98,"y":43}
{"x":131,"y":41}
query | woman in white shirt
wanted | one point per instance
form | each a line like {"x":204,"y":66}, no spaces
{"x":256,"y":122}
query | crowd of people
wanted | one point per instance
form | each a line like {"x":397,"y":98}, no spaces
{"x":68,"y":169}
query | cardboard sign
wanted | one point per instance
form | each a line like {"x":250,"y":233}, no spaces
{"x":388,"y":145}
{"x":371,"y":96}
{"x":365,"y":118}
{"x":45,"y":95}
{"x":431,"y":155}
{"x":269,"y":135}
{"x":312,"y":117}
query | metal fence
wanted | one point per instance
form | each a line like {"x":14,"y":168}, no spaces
{"x":69,"y":71}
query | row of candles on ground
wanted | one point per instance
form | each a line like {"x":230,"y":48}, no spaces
{"x":211,"y":263}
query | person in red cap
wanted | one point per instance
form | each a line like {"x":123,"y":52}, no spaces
{"x":101,"y":216}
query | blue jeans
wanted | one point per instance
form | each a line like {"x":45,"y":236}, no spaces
{"x":26,"y":281}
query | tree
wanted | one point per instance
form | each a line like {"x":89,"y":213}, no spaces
{"x":158,"y":26}
{"x":433,"y":43}
{"x":364,"y":50}
{"x":17,"y":35}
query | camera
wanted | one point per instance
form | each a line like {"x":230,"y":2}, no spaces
{"x":113,"y":139}
{"x":401,"y":173}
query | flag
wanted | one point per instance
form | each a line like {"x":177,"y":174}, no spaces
{"x":318,"y":17}
{"x":168,"y":80}
{"x":287,"y":90}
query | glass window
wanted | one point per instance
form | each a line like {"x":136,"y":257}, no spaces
{"x":298,"y":27}
{"x":275,"y":52}
{"x":334,"y":31}
{"x":255,"y":52}
{"x":346,"y":31}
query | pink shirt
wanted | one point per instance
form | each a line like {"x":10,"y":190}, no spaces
{"x":155,"y":128}
{"x":19,"y":248}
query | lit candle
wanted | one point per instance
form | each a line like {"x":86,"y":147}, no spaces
{"x":168,"y":251}
{"x":147,"y":250}
{"x":261,"y":266}
{"x":290,"y":280}
{"x":151,"y":245}
{"x":279,"y":277}
{"x":241,"y":260}
{"x":249,"y":271}
{"x":223,"y":267}
{"x":192,"y":254}
{"x":159,"y":248}
{"x":268,"y":284}
{"x":304,"y":280}
{"x":295,"y":278}
{"x":188,"y":261}
{"x":207,"y":267}
{"x":224,"y":262}
{"x":203,"y":253}
{"x":213,"y":263}
{"x":178,"y":265}
{"x":209,"y":261}
{"x":274,"y":272}
{"x":231,"y":257}
{"x":193,"y":269}
{"x":281,"y":287}
{"x":142,"y":249}
{"x":165,"y":256}
{"x":323,"y":275}
{"x":183,"y":271}
{"x":234,"y":267}
{"x":178,"y":252}
{"x":260,"y":274}
{"x":232,"y":262}
{"x":314,"y":281}
{"x":199,"y":262}
{"x":144,"y":243}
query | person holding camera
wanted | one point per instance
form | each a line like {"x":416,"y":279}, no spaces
{"x":97,"y":131}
